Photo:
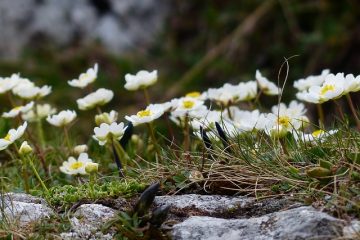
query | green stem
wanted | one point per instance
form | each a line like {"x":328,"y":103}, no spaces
{"x":37,"y":175}
{"x":40,"y":133}
{"x":229,"y":112}
{"x":186,"y":134}
{"x":67,"y":140}
{"x":353,"y":110}
{"x":154,"y":141}
{"x":146,"y":94}
{"x":121,"y":153}
{"x":321,"y":115}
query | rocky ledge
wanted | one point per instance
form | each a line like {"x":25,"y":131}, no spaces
{"x":197,"y":217}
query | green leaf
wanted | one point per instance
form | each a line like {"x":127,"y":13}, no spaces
{"x":354,"y":157}
{"x":326,"y":164}
{"x":319,"y":172}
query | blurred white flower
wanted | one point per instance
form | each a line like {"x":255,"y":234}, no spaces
{"x":313,"y":80}
{"x":142,"y":79}
{"x":152,"y":112}
{"x":8,"y":83}
{"x":27,"y":90}
{"x":351,"y":83}
{"x":248,"y":90}
{"x":206,"y":120}
{"x":99,"y":98}
{"x":61,"y":119}
{"x":12,"y":136}
{"x":76,"y":166}
{"x":267,"y":87}
{"x":106,"y":117}
{"x":225,"y":95}
{"x":316,"y":136}
{"x":85,"y":78}
{"x":80,"y":149}
{"x":108,"y":132}
{"x":41,"y":111}
{"x":245,"y":120}
{"x":17,"y":110}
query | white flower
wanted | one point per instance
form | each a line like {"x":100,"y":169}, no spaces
{"x":12,"y":136}
{"x":106,"y":117}
{"x":76,"y":166}
{"x":267,"y":87}
{"x":80,"y":149}
{"x":142,"y":79}
{"x":99,"y":98}
{"x":351,"y":83}
{"x":61,"y":119}
{"x":248,"y":90}
{"x":188,"y":106}
{"x":27,"y":90}
{"x":41,"y":111}
{"x":17,"y":110}
{"x":85,"y":78}
{"x":108,"y":132}
{"x":285,"y":119}
{"x":8,"y":83}
{"x":207,"y":121}
{"x":152,"y":112}
{"x":313,"y":80}
{"x":245,"y":120}
{"x":316,"y":136}
{"x":225,"y":95}
{"x":332,"y":88}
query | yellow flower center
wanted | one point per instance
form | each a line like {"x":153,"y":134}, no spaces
{"x":144,"y":113}
{"x":326,"y":89}
{"x":7,"y":137}
{"x":318,"y":133}
{"x":188,"y":104}
{"x":193,"y":94}
{"x":17,"y":108}
{"x":76,"y":165}
{"x":284,"y":121}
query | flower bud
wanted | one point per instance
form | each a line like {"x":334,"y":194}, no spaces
{"x":91,"y":167}
{"x":25,"y":148}
{"x":106,"y":118}
{"x":80,"y":149}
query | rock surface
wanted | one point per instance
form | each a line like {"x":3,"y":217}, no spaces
{"x":119,"y":25}
{"x":199,"y":217}
{"x":87,"y":222}
{"x":298,"y":223}
{"x":22,"y":209}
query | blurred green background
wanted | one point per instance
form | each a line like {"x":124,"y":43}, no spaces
{"x":205,"y":44}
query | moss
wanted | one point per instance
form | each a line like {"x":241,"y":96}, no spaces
{"x":68,"y":194}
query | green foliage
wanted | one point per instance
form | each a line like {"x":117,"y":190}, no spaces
{"x":69,"y":194}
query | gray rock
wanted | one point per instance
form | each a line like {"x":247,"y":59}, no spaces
{"x":298,"y":223}
{"x":125,"y":26}
{"x":22,"y":209}
{"x":352,"y":231}
{"x":87,"y":222}
{"x":204,"y":203}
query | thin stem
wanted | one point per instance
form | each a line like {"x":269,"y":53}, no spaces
{"x":98,"y":109}
{"x":121,"y":153}
{"x":25,"y":175}
{"x":153,"y":139}
{"x":186,"y":133}
{"x":353,"y":110}
{"x":92,"y":181}
{"x":146,"y":94}
{"x":37,"y":175}
{"x":229,"y":112}
{"x":40,"y":132}
{"x":321,"y":115}
{"x":67,"y":140}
